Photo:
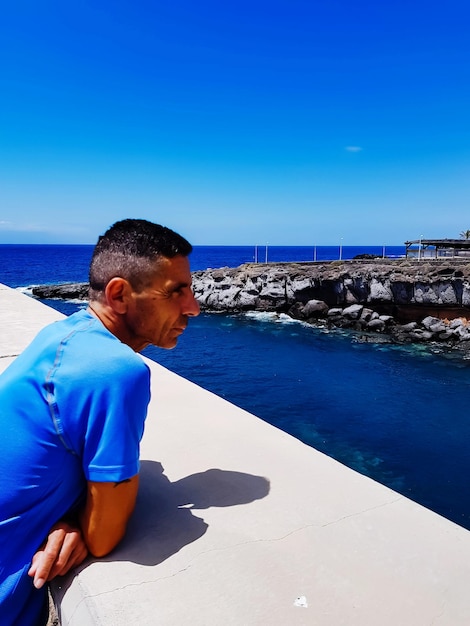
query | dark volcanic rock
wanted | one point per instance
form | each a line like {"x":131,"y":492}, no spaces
{"x":67,"y":291}
{"x":366,"y":255}
{"x":313,"y":309}
{"x":385,"y":282}
{"x":407,"y":300}
{"x":365,"y":296}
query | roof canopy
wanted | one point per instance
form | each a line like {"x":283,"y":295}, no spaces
{"x":461,"y":244}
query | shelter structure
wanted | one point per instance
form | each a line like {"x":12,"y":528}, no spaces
{"x":437,"y":248}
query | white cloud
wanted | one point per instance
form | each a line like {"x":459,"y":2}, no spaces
{"x":353,"y":149}
{"x":27,"y":227}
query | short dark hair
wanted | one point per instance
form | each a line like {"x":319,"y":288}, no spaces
{"x":129,"y":249}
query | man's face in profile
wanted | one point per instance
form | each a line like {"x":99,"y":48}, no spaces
{"x":159,"y":313}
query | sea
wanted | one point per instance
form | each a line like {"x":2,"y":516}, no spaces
{"x":398,"y":414}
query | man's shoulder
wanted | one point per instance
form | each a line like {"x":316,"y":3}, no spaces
{"x":95,"y":344}
{"x":61,"y":329}
{"x":81,"y":330}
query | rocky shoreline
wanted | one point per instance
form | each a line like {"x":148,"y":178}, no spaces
{"x":405,"y":300}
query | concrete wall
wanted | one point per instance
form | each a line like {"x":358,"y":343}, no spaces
{"x":238,"y":523}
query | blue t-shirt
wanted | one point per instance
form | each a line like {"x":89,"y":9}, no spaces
{"x":72,"y":409}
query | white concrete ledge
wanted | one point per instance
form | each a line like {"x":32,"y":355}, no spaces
{"x":238,"y":523}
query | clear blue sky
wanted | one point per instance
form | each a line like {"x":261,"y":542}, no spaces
{"x":293,"y":122}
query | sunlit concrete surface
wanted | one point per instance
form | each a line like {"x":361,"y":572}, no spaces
{"x":21,"y":319}
{"x":237,"y":523}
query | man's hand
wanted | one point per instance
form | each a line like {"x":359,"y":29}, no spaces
{"x":63,"y":549}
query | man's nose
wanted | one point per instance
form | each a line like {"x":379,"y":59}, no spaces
{"x":192,"y":307}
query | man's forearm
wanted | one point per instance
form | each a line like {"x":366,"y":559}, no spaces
{"x":106,"y":513}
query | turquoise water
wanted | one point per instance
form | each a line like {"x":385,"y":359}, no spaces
{"x":393,"y":413}
{"x":398,"y":415}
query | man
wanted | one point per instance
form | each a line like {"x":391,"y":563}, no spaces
{"x":72,"y":411}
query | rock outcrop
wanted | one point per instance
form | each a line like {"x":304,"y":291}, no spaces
{"x":409,"y":300}
{"x":64,"y":291}
{"x":392,"y":285}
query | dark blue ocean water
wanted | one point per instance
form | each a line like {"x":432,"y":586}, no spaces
{"x":26,"y":265}
{"x":393,"y":413}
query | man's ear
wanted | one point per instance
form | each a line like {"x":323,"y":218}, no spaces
{"x":118,"y":292}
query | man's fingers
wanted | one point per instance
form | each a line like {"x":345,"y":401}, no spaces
{"x":63,"y":549}
{"x":73,"y":552}
{"x":44,"y":559}
{"x":39,"y":570}
{"x":69,"y":560}
{"x":38,"y":580}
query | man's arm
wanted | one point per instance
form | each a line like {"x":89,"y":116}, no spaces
{"x":107,"y":511}
{"x":103,"y":524}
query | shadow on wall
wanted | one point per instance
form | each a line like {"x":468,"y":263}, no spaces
{"x":163,"y":521}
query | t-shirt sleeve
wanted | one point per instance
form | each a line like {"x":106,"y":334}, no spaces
{"x":98,"y":390}
{"x":115,"y":426}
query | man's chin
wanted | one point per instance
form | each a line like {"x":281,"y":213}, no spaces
{"x":169,"y":345}
{"x":171,"y":339}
